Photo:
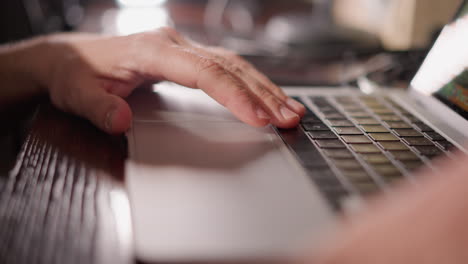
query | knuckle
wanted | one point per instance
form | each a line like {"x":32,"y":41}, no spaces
{"x":220,"y":59}
{"x":210,"y":66}
{"x":238,"y":97}
{"x":267,"y":97}
{"x":171,"y":34}
{"x":238,"y":71}
{"x":168,"y":31}
{"x":234,"y":69}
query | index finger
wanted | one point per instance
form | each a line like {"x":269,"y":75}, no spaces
{"x":197,"y":71}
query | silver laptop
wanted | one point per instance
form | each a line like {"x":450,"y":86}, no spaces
{"x":204,"y":186}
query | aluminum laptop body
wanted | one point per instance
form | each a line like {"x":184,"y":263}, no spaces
{"x":204,"y":186}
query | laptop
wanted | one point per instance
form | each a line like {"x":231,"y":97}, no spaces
{"x":203,"y":186}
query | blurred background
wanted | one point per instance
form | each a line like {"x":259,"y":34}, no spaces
{"x":295,"y":42}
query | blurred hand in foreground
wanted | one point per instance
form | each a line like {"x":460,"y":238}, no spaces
{"x":88,"y":75}
{"x":420,"y":223}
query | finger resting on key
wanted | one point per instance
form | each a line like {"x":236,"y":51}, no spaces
{"x":193,"y":70}
{"x":249,"y":69}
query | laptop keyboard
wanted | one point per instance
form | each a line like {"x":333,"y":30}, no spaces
{"x":361,"y":144}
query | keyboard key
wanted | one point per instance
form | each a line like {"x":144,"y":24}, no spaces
{"x":310,"y":119}
{"x":347,"y":131}
{"x":309,"y":116}
{"x":434,"y":136}
{"x":338,"y":153}
{"x":404,"y":111}
{"x":345,"y":99}
{"x":325,"y":107}
{"x":423,"y":127}
{"x":296,"y":139}
{"x":356,"y":139}
{"x":383,"y":111}
{"x":428,"y":150}
{"x":368,"y":98}
{"x":319,"y":99}
{"x":365,"y":148}
{"x":330,"y":143}
{"x":412,"y":118}
{"x":340,"y":123}
{"x":325,"y":179}
{"x":322,"y":135}
{"x":317,"y":126}
{"x":333,"y":116}
{"x":445,"y":145}
{"x":383,"y":137}
{"x":325,"y":182}
{"x":359,"y":114}
{"x":407,"y":133}
{"x":374,"y":129}
{"x":396,"y":125}
{"x":374,"y":104}
{"x":375,"y":158}
{"x":352,"y":106}
{"x":366,"y":121}
{"x":306,"y":152}
{"x":417,"y":141}
{"x":347,"y":164}
{"x":387,"y":170}
{"x":404,"y":155}
{"x":390,"y":100}
{"x":412,"y":165}
{"x":393,"y":145}
{"x":311,"y":158}
{"x":393,"y":118}
{"x":357,"y":176}
{"x":328,"y":109}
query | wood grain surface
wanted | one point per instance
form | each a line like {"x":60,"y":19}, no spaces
{"x":54,"y":203}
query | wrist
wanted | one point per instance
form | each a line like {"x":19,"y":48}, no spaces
{"x":40,"y":58}
{"x":23,"y":64}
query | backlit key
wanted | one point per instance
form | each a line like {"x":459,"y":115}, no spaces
{"x":365,"y":148}
{"x":383,"y":137}
{"x":353,"y":139}
{"x":374,"y":129}
{"x":393,"y":145}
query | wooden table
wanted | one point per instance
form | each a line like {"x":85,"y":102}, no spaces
{"x":55,"y":204}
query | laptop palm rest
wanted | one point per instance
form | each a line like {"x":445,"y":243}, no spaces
{"x":204,"y":190}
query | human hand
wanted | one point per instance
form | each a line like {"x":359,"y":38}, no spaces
{"x":89,"y":75}
{"x":422,"y":223}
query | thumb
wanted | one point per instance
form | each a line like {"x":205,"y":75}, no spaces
{"x":107,"y":111}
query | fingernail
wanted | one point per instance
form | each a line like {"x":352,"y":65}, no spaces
{"x":287,"y":114}
{"x":262,"y":114}
{"x":109,"y":118}
{"x":294,"y":104}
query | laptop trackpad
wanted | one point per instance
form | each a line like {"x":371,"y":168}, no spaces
{"x":223,"y":191}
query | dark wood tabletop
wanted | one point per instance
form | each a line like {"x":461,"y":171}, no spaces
{"x":54,"y":202}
